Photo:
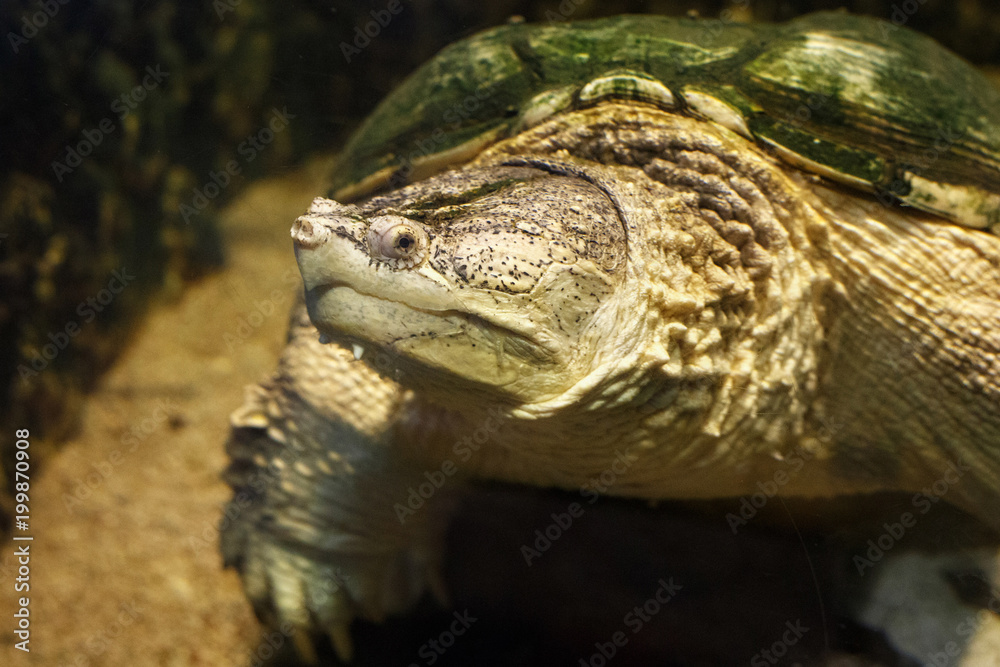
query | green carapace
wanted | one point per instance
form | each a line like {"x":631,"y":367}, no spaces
{"x":865,"y":103}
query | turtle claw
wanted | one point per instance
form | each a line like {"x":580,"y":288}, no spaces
{"x":292,"y":588}
{"x":340,"y":637}
{"x":304,"y":646}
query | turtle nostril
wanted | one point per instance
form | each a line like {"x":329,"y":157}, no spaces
{"x":307,"y":234}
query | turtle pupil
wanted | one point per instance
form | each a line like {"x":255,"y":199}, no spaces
{"x":404,"y":242}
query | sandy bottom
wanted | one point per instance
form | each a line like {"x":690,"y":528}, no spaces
{"x":125,"y":566}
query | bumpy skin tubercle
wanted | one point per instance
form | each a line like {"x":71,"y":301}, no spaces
{"x":755,"y":307}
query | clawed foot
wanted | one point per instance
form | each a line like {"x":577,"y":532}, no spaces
{"x":312,"y":594}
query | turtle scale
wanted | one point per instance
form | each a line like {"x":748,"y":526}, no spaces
{"x":866,"y":103}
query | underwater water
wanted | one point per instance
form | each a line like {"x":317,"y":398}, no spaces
{"x":154,"y":157}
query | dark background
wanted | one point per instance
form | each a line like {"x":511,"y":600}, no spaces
{"x":230,"y":64}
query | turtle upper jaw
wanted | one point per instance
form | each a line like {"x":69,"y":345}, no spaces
{"x":331,"y":250}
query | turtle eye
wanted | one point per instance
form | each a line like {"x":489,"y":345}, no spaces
{"x":397,"y":241}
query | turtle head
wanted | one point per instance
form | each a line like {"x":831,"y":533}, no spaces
{"x":486,"y":279}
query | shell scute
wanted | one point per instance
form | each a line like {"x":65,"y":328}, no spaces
{"x":873,"y":106}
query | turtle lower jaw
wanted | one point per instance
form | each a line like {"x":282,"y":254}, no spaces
{"x":449,"y":319}
{"x":452,"y":348}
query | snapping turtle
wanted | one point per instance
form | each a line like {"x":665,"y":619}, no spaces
{"x":680,"y":251}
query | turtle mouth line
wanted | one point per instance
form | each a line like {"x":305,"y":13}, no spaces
{"x":320,"y":290}
{"x":536,"y":350}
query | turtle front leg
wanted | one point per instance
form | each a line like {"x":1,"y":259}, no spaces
{"x":313,"y":526}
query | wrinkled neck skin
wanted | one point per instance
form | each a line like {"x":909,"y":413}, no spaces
{"x":765,"y":322}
